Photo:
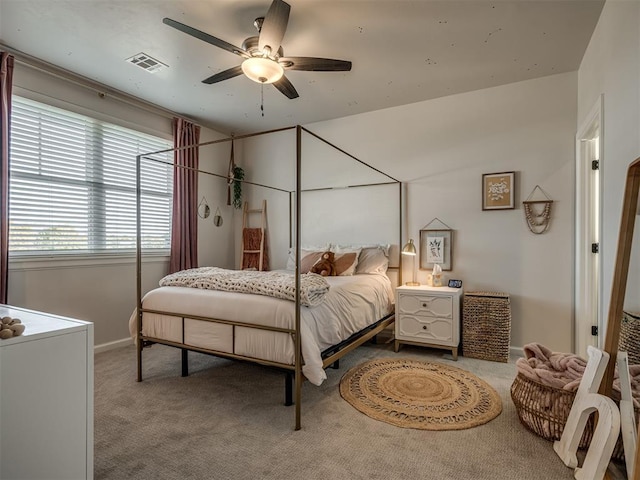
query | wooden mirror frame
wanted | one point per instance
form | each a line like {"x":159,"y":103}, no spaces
{"x":619,"y":286}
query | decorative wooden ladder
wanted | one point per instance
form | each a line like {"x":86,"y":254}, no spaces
{"x":249,"y":242}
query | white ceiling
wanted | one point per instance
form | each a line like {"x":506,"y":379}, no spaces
{"x":403,"y":51}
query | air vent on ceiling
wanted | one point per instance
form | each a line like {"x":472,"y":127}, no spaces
{"x":146,"y":62}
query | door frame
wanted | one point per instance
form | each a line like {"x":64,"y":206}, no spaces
{"x":586,"y":314}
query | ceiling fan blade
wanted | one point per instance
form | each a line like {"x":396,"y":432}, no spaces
{"x":206,"y":37}
{"x":226,"y":75}
{"x":315,"y":64}
{"x":286,"y":88}
{"x":274,"y":26}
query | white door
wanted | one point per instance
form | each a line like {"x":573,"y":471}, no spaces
{"x":588,"y":315}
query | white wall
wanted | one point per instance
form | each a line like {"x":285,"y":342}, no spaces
{"x":611,"y":66}
{"x":103,"y":291}
{"x":442,"y":147}
{"x":216,"y":245}
{"x":268,"y":160}
{"x":340,"y":216}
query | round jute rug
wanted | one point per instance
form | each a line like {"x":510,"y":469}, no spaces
{"x":422,"y":395}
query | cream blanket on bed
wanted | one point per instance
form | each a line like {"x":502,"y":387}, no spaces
{"x":313,"y":287}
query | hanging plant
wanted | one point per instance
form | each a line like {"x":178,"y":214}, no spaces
{"x":238,"y":176}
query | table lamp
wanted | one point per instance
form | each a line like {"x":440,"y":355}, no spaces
{"x":410,"y":250}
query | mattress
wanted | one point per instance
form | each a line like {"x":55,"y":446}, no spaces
{"x":352,"y":303}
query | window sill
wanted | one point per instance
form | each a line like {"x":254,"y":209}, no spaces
{"x":48,"y":262}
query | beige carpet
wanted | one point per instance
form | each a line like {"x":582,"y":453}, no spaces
{"x":226,"y":422}
{"x":412,"y":393}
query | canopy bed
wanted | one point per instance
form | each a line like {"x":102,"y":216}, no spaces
{"x":312,"y":321}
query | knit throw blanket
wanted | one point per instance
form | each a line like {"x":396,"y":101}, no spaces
{"x":565,"y":370}
{"x":313,"y":287}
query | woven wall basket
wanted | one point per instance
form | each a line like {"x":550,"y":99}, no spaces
{"x":544,"y":410}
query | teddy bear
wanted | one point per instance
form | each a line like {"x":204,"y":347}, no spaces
{"x":10,"y":327}
{"x":325,"y":266}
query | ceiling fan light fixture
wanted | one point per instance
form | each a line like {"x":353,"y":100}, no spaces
{"x":263,"y":56}
{"x":262,"y":69}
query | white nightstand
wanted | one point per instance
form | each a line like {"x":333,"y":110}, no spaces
{"x":429,"y":317}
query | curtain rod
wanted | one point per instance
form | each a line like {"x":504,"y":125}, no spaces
{"x":85,"y":82}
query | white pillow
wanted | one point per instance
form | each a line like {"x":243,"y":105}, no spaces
{"x":384,"y":247}
{"x":373,"y":260}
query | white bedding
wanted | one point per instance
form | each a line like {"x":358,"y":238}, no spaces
{"x":353,"y":302}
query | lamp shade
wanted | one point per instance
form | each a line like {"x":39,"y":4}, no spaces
{"x":409,"y":248}
{"x":262,"y":69}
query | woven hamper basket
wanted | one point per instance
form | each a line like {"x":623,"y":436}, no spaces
{"x":486,"y":326}
{"x":630,"y":336}
{"x":544,"y":411}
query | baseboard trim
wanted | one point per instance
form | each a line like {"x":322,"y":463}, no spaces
{"x":105,"y":347}
{"x":516,"y":351}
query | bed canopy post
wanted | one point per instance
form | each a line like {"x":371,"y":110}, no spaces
{"x":290,"y":219}
{"x":298,"y":353}
{"x":400,"y":222}
{"x":138,"y":268}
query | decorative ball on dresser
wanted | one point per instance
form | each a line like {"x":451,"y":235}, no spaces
{"x":10,"y":327}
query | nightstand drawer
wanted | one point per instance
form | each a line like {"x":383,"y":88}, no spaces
{"x":428,"y":329}
{"x":430,"y":305}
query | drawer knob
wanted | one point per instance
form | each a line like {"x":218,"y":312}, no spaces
{"x":424,"y":327}
{"x":424,"y":304}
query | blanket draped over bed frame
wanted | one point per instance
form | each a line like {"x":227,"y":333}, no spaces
{"x":313,"y":287}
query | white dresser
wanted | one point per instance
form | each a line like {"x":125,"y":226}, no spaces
{"x":46,"y":398}
{"x":429,"y":317}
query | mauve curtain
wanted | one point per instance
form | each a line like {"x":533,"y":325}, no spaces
{"x":184,"y":228}
{"x":6,"y":76}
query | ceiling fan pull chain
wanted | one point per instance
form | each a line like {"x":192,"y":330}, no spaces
{"x":262,"y":99}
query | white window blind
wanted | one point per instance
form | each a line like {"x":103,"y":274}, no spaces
{"x":73,"y":184}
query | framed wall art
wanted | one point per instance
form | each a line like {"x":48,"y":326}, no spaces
{"x":498,"y":191}
{"x":436,"y":248}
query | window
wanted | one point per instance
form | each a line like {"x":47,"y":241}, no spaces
{"x":73,"y":184}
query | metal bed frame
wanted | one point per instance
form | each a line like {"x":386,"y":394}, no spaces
{"x":331,"y":355}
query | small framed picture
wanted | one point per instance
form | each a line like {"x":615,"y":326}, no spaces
{"x":455,"y":283}
{"x":436,"y":248}
{"x":498,"y":191}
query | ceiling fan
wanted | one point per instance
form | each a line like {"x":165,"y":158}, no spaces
{"x":264,"y":60}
